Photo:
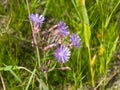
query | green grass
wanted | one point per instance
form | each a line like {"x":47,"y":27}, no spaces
{"x":96,"y":22}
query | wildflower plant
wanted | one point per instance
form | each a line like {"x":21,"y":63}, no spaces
{"x":55,"y":39}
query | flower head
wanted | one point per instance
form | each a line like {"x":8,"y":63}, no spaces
{"x":62,"y":54}
{"x":75,"y":40}
{"x":63,"y":28}
{"x":36,"y":18}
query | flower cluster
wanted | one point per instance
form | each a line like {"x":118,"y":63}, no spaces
{"x":59,"y":33}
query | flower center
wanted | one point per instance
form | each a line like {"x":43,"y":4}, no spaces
{"x":61,"y":54}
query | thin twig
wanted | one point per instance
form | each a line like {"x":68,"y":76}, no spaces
{"x":99,"y":84}
{"x":2,"y":81}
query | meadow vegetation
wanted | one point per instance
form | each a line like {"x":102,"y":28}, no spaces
{"x":93,"y":66}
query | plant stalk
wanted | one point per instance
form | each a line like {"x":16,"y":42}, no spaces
{"x":38,"y":53}
{"x":91,"y":68}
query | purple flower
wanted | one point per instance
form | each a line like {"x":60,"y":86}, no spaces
{"x":75,"y":40}
{"x":63,"y":28}
{"x":36,"y":18}
{"x":62,"y":54}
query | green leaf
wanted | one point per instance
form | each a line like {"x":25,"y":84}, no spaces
{"x":10,"y":69}
{"x":17,"y":78}
{"x":112,"y":49}
{"x":108,"y":20}
{"x":82,"y":14}
{"x":87,"y":34}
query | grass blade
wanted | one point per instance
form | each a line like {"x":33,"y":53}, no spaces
{"x":108,"y":20}
{"x":30,"y":79}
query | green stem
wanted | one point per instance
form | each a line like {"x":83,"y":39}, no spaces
{"x":91,"y":68}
